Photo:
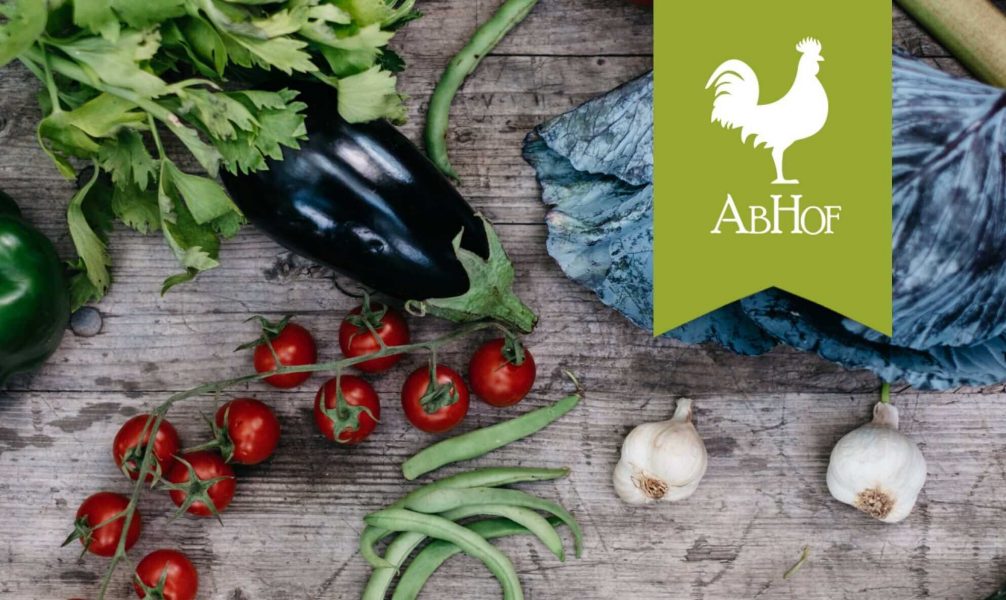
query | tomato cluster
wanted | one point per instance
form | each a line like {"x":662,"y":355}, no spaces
{"x":244,"y":431}
{"x":435,"y":398}
{"x":200,"y":481}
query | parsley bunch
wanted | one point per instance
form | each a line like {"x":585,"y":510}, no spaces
{"x":120,"y":76}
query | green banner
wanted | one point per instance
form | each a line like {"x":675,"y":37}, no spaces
{"x":773,"y":156}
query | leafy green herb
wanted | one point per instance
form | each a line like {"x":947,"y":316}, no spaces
{"x":120,"y":75}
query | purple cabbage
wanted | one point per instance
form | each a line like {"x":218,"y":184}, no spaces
{"x":595,"y":166}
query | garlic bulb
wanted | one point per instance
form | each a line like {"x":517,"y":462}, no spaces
{"x":877,"y":469}
{"x":661,"y":461}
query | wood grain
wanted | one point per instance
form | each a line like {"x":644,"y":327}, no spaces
{"x":769,"y":422}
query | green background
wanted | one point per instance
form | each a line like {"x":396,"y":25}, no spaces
{"x":698,"y":162}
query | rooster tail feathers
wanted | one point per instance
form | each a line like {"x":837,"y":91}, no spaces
{"x":737,"y":68}
{"x":737,"y":93}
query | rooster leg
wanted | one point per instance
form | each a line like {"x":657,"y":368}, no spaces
{"x":780,"y":179}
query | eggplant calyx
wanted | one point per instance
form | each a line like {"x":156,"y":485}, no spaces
{"x":490,"y":292}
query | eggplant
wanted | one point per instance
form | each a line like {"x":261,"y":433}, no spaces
{"x":363,"y":200}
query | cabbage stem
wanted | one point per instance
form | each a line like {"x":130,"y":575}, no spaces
{"x":973,"y":30}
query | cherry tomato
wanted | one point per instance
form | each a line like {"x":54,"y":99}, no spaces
{"x":128,"y":450}
{"x":249,"y":431}
{"x":356,"y":340}
{"x":354,"y":425}
{"x":438,"y":410}
{"x":496,"y":378}
{"x":208,"y":466}
{"x":98,"y":509}
{"x":294,"y":346}
{"x":181,"y":581}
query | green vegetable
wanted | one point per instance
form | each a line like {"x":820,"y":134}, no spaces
{"x":397,"y":519}
{"x":121,"y":75}
{"x":461,"y":66}
{"x":397,"y":553}
{"x":449,"y":499}
{"x":526,"y":517}
{"x":973,"y":30}
{"x":432,"y":511}
{"x":34,"y":298}
{"x":438,"y":552}
{"x":488,"y":477}
{"x":482,"y":441}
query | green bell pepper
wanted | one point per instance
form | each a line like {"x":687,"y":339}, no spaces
{"x":34,"y":296}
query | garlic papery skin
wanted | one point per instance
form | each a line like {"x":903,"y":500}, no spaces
{"x":663,"y":461}
{"x":877,"y":469}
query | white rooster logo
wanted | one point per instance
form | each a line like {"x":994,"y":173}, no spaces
{"x":798,"y":115}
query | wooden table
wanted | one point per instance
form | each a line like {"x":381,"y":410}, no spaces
{"x":769,"y":423}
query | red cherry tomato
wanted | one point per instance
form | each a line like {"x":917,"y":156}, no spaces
{"x":294,"y":346}
{"x":356,"y":340}
{"x":181,"y":581}
{"x":438,"y":410}
{"x":98,"y":509}
{"x":128,"y":450}
{"x":354,"y":425}
{"x":250,"y":431}
{"x":208,"y":466}
{"x":495,"y":378}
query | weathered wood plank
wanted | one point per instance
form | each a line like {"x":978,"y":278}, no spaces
{"x":293,"y":527}
{"x":769,"y":422}
{"x":154,"y":343}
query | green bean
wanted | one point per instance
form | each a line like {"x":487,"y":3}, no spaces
{"x":526,"y":517}
{"x":482,"y":441}
{"x":461,"y":66}
{"x":430,"y":558}
{"x":397,"y":519}
{"x":444,"y":500}
{"x":396,"y":554}
{"x":487,"y":477}
{"x":368,"y":539}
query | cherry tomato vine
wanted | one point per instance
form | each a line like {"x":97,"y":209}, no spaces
{"x":148,"y":463}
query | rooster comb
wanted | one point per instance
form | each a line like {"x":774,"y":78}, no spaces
{"x":809,"y":45}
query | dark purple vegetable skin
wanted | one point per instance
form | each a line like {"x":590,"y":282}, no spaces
{"x":364,"y":201}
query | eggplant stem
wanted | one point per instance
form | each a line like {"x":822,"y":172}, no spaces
{"x":974,"y":31}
